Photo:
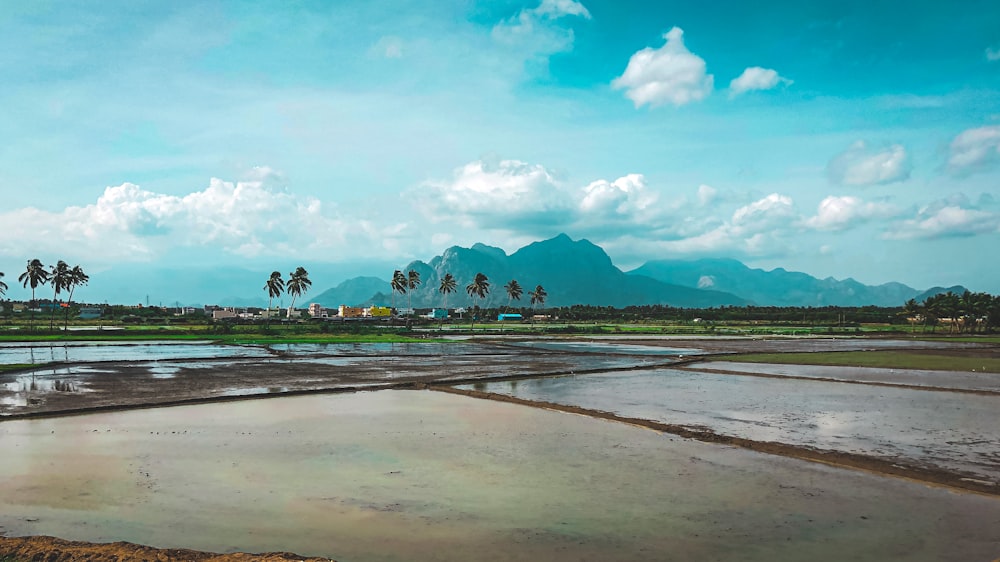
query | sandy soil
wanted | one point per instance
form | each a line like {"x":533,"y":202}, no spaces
{"x":51,"y":549}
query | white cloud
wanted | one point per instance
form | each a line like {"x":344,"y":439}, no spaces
{"x":558,"y":8}
{"x":533,"y":30}
{"x":992,"y":54}
{"x":127,"y":223}
{"x":862,"y":166}
{"x":755,"y":229}
{"x":670,"y":74}
{"x":706,"y":194}
{"x":840,"y":213}
{"x":756,"y":78}
{"x":946,"y":222}
{"x":974,"y":149}
{"x":706,"y":282}
{"x":507,"y":194}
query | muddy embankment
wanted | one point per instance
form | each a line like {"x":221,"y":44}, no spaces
{"x":896,"y":467}
{"x":51,"y":549}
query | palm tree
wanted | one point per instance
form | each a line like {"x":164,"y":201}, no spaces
{"x":298,"y":283}
{"x":59,"y":279}
{"x":479,"y":288}
{"x":274,"y":286}
{"x":412,"y":282}
{"x":398,"y":285}
{"x":514,"y":293}
{"x":34,"y":275}
{"x":77,"y":278}
{"x":448,"y":285}
{"x":3,"y":286}
{"x":537,"y":297}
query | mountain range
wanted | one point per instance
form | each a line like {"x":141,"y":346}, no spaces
{"x":572,"y":272}
{"x":579,"y":272}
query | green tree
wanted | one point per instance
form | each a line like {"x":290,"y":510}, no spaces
{"x":59,"y":279}
{"x":412,"y":282}
{"x":298,"y":283}
{"x":514,"y":292}
{"x":77,"y":278}
{"x":538,"y":297}
{"x":34,"y":276}
{"x":274,"y":286}
{"x":478,"y":289}
{"x":448,"y":285}
{"x":398,"y":285}
{"x":3,"y":286}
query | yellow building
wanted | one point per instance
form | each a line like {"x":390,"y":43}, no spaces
{"x":350,"y":311}
{"x":378,"y":312}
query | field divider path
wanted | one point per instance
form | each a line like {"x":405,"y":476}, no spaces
{"x":979,"y":392}
{"x":889,"y":467}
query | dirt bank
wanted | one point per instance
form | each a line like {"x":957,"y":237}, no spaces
{"x":51,"y":549}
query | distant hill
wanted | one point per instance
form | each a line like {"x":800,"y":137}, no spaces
{"x":572,"y":272}
{"x":353,"y":292}
{"x":779,"y":287}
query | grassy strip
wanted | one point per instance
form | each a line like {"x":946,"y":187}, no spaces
{"x":878,"y":359}
{"x":21,"y":367}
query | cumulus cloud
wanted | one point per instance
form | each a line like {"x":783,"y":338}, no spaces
{"x":524,"y":198}
{"x":706,"y":194}
{"x":670,"y":74}
{"x":861,"y":166}
{"x":840,"y":213}
{"x":507,"y":194}
{"x":952,"y":217}
{"x":974,"y":150}
{"x":756,"y":78}
{"x":755,"y":229}
{"x":127,"y":223}
{"x":534,"y":29}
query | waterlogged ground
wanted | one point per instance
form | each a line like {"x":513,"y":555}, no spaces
{"x":956,"y":380}
{"x":419,"y":475}
{"x":168,"y":373}
{"x":946,"y":430}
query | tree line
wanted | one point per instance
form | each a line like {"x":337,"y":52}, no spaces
{"x":61,"y":277}
{"x":478,"y":289}
{"x":969,"y":312}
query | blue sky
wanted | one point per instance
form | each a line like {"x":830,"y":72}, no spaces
{"x":852,"y":139}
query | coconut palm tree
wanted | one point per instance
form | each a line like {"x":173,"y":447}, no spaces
{"x":448,"y":285}
{"x":34,"y":275}
{"x":538,"y":297}
{"x":398,"y":285}
{"x":274,"y":286}
{"x":3,"y":286}
{"x":77,"y":278}
{"x":514,"y":293}
{"x":412,"y":282}
{"x":59,"y":279}
{"x":298,"y":283}
{"x":478,"y":289}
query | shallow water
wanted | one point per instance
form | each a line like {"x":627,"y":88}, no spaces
{"x":83,"y":352}
{"x":942,"y":379}
{"x":940,"y":429}
{"x":407,"y":475}
{"x":606,"y":347}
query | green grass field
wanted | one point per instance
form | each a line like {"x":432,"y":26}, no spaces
{"x":883,"y":359}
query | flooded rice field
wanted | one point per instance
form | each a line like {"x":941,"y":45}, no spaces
{"x":957,"y":380}
{"x":957,"y":432}
{"x":419,"y":475}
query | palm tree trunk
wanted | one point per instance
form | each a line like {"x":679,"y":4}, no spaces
{"x":66,"y":312}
